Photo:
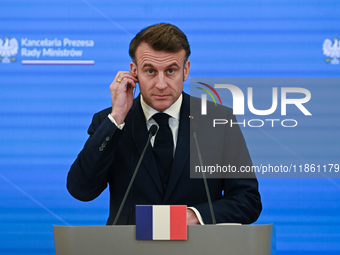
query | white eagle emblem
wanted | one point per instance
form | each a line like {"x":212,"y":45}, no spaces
{"x":331,"y":50}
{"x":8,"y":48}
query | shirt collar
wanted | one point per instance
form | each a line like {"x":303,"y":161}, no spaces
{"x":173,"y":110}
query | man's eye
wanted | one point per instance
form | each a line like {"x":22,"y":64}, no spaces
{"x":150,"y":71}
{"x":170,"y":71}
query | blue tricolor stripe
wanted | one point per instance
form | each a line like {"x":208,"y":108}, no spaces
{"x":144,"y":222}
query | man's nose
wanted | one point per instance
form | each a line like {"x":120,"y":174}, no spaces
{"x":161,"y":81}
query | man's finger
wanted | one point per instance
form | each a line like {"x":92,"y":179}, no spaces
{"x":124,"y":75}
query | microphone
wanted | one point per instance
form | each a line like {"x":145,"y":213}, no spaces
{"x":193,"y":129}
{"x":152,"y":131}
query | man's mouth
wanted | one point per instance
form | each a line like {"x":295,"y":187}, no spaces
{"x":161,"y":96}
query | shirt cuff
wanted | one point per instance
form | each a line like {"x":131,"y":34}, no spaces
{"x":198,"y":215}
{"x":114,"y":122}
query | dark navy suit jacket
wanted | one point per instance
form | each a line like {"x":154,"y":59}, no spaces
{"x":110,"y":156}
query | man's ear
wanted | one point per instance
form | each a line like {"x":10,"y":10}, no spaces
{"x":186,"y":70}
{"x":133,"y":68}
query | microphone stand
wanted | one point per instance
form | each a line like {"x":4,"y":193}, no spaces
{"x":152,"y":132}
{"x":193,"y":125}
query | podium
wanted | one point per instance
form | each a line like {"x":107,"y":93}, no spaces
{"x":202,"y":239}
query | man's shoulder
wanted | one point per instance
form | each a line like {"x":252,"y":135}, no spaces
{"x":104,"y":113}
{"x":213,"y":108}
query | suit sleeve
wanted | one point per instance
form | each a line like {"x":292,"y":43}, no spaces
{"x":241,"y":201}
{"x":88,"y":174}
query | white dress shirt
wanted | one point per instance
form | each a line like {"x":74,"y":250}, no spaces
{"x":173,"y":111}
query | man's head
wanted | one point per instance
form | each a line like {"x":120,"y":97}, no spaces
{"x":161,"y":37}
{"x":160,"y":59}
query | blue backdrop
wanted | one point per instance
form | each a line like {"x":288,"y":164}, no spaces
{"x":46,"y":106}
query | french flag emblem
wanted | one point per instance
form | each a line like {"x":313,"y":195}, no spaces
{"x":161,"y":222}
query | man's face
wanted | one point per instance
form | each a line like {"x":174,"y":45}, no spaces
{"x":160,"y":75}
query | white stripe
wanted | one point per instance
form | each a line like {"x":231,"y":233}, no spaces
{"x":161,"y":222}
{"x":57,"y":62}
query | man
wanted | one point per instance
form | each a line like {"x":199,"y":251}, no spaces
{"x":118,"y":135}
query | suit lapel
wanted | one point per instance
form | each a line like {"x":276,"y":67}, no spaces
{"x":182,"y":152}
{"x":140,"y":137}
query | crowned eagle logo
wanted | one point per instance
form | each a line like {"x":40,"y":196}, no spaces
{"x":332,"y":51}
{"x":8,"y":48}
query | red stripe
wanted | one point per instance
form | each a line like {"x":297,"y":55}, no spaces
{"x":178,"y":222}
{"x":57,"y":62}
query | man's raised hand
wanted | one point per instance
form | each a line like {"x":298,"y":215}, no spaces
{"x":122,"y":94}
